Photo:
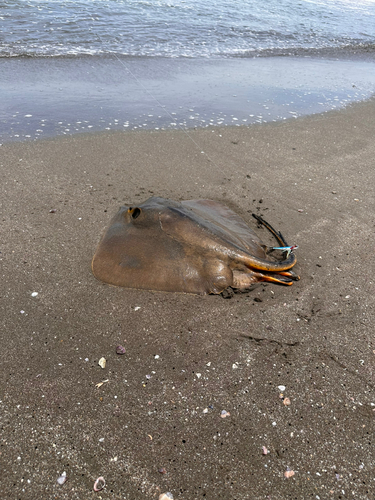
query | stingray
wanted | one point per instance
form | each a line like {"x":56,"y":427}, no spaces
{"x":195,"y":246}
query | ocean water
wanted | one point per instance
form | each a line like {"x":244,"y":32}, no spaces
{"x":92,"y":65}
{"x":184,"y":28}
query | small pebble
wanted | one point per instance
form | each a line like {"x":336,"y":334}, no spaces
{"x":163,"y":470}
{"x":102,"y":362}
{"x":289,"y":473}
{"x":264,"y":450}
{"x":286,"y":401}
{"x":120,"y":349}
{"x":53,"y":211}
{"x":281,"y":388}
{"x":34,"y":294}
{"x":224,"y":414}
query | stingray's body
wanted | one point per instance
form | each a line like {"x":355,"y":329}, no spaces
{"x":196,"y":246}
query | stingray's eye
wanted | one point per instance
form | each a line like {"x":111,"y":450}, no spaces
{"x":134,"y":212}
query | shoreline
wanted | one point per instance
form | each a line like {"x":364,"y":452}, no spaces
{"x":64,"y":96}
{"x":312,"y":178}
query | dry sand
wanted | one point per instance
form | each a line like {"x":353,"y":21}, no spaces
{"x":188,"y":357}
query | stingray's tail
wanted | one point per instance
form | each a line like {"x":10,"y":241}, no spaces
{"x":280,"y":238}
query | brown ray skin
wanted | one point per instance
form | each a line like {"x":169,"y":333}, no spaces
{"x":196,"y":246}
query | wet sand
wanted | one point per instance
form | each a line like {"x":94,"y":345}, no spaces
{"x":189,"y":357}
{"x":45,"y":97}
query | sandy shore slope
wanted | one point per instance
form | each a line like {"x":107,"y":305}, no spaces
{"x":313,"y":178}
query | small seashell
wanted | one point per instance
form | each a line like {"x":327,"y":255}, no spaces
{"x":286,"y":401}
{"x":264,"y":450}
{"x":166,"y":496}
{"x":61,"y":480}
{"x":52,"y":211}
{"x":163,"y":470}
{"x":102,"y":362}
{"x":101,"y":383}
{"x":99,"y":484}
{"x":224,"y":414}
{"x":34,"y":294}
{"x":281,"y":388}
{"x":120,"y":349}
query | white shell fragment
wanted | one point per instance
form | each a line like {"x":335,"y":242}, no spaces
{"x":102,"y":362}
{"x":34,"y":294}
{"x":281,"y":388}
{"x":224,"y":414}
{"x":61,"y":480}
{"x":99,"y":484}
{"x":99,"y":384}
{"x":166,"y":496}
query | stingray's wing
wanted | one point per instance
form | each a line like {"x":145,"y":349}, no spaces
{"x":232,"y":227}
{"x":135,"y":255}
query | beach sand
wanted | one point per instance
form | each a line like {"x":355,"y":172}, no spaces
{"x":190,"y":357}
